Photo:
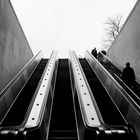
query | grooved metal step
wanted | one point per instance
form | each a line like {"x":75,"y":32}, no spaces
{"x":63,"y":124}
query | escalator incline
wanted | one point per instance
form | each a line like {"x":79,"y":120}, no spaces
{"x":16,"y":114}
{"x":63,"y":123}
{"x":109,"y":111}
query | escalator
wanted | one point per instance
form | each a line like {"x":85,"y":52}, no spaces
{"x":59,"y":120}
{"x":18,"y":111}
{"x":112,"y":117}
{"x":116,"y":71}
{"x":63,"y":123}
{"x":108,"y":110}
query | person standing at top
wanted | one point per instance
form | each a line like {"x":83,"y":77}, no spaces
{"x":128,"y":75}
{"x":94,"y":52}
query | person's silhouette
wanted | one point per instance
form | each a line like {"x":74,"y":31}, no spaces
{"x":94,"y":52}
{"x":128,"y":75}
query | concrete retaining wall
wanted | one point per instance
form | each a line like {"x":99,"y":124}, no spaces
{"x":126,"y":47}
{"x":15,"y":51}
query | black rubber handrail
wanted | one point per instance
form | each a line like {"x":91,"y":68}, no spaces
{"x":117,"y":66}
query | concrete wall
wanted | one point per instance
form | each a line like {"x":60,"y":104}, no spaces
{"x":15,"y":51}
{"x":126,"y":47}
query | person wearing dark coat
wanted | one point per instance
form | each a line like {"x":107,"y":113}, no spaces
{"x":128,"y":75}
{"x":94,"y":52}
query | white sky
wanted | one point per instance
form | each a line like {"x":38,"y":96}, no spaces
{"x":67,"y":24}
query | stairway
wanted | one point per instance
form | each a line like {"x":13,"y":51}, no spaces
{"x":63,"y":123}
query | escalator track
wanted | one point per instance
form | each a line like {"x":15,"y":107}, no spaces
{"x":63,"y":123}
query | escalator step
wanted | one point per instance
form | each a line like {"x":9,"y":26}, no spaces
{"x":63,"y":124}
{"x":63,"y":133}
{"x":63,"y":138}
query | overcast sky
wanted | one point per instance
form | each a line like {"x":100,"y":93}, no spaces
{"x":67,"y":24}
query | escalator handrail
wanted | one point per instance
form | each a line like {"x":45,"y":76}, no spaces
{"x":36,"y":58}
{"x":87,"y":103}
{"x":125,"y":87}
{"x":119,"y":67}
{"x":118,"y":86}
{"x":38,"y":107}
{"x":137,"y":98}
{"x":111,"y":61}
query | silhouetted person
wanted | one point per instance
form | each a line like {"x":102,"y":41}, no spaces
{"x":104,"y":52}
{"x":128,"y":75}
{"x":94,"y":52}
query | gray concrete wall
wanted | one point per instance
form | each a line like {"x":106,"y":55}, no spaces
{"x":126,"y":47}
{"x":15,"y":51}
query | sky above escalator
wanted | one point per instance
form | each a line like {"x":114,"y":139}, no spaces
{"x":67,"y":24}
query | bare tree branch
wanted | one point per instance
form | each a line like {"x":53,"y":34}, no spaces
{"x":113,"y":27}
